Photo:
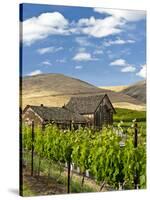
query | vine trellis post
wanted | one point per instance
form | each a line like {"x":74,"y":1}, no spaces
{"x":32,"y":148}
{"x":135,"y":146}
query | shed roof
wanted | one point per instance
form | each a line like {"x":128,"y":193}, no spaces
{"x":56,"y":114}
{"x":86,"y":104}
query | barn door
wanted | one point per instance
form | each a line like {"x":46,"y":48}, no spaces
{"x":105,"y":115}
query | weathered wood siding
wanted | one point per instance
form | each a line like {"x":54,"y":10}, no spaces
{"x":104,"y":114}
{"x":30,"y":116}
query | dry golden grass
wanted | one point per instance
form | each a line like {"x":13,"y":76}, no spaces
{"x":57,"y":101}
{"x":130,"y":106}
{"x":118,"y":88}
{"x":56,"y":90}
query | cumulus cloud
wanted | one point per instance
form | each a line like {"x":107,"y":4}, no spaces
{"x":42,"y":26}
{"x":113,"y":23}
{"x":78,"y":67}
{"x":100,"y":27}
{"x":142,"y":72}
{"x":128,"y":68}
{"x":118,"y":41}
{"x":49,"y":50}
{"x":83,"y":41}
{"x":83,"y":56}
{"x":118,"y":62}
{"x":128,"y":15}
{"x":36,"y":72}
{"x":54,"y":23}
{"x":46,"y":62}
{"x":125,"y":67}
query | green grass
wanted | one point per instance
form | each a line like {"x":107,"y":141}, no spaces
{"x":76,"y":188}
{"x":26,"y":191}
{"x":127,"y":115}
{"x":54,"y":173}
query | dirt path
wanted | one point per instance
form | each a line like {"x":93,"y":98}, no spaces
{"x":43,"y":185}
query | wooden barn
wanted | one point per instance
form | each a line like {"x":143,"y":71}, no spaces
{"x":98,"y":110}
{"x":62,"y":117}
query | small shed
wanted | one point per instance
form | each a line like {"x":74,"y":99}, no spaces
{"x":62,"y":117}
{"x":98,"y":109}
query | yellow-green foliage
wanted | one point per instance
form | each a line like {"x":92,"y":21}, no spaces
{"x":97,"y":151}
{"x":127,"y":115}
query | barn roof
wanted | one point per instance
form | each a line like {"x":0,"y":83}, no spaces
{"x":56,"y":114}
{"x":86,"y":104}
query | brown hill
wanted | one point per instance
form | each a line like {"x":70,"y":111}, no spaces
{"x":55,"y":84}
{"x":137,"y":90}
{"x":57,"y":89}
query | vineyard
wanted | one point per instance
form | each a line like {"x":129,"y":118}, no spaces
{"x":114,"y":157}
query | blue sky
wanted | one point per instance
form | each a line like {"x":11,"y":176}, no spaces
{"x":101,"y":46}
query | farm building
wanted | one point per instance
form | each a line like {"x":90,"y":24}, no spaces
{"x":62,"y":117}
{"x":91,"y":111}
{"x":98,"y":110}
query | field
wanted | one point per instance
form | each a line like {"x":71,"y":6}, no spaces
{"x":52,"y":179}
{"x":114,"y":170}
{"x":128,"y":115}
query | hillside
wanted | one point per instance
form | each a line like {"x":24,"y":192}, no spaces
{"x":117,"y":88}
{"x":137,"y":91}
{"x":57,"y":89}
{"x":55,"y":84}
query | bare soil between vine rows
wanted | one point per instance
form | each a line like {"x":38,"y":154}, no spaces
{"x":42,"y":185}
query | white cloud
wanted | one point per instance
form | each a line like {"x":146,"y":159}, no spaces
{"x":83,"y":41}
{"x":128,"y":15}
{"x":100,"y":27}
{"x":83,"y":56}
{"x":78,"y":67}
{"x":36,"y":72}
{"x":125,"y":67}
{"x":118,"y":42}
{"x":46,"y":62}
{"x":113,"y":23}
{"x":43,"y":50}
{"x":128,"y":68}
{"x":54,"y":23}
{"x":142,"y":72}
{"x":49,"y":50}
{"x":37,"y":28}
{"x":118,"y":62}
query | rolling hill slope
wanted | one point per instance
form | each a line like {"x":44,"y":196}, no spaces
{"x":137,"y":90}
{"x":57,"y":89}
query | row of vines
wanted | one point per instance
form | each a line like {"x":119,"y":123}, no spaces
{"x":110,"y":157}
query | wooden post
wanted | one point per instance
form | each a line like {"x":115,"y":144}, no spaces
{"x":42,"y":130}
{"x":70,"y":125}
{"x":135,"y":136}
{"x":69,"y":160}
{"x":32,"y":149}
{"x":135,"y":146}
{"x":68,"y":182}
